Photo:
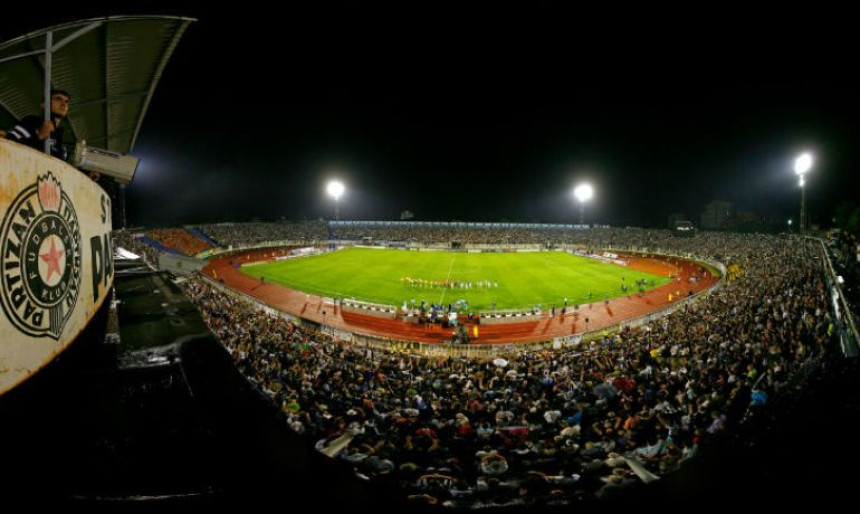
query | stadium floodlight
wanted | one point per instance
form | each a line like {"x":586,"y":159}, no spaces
{"x":583,"y":193}
{"x":335,"y":189}
{"x":802,"y":165}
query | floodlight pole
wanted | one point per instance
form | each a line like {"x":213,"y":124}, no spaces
{"x":802,"y":165}
{"x":802,"y":205}
{"x":583,"y":193}
{"x":335,"y":189}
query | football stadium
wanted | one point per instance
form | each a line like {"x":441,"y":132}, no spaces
{"x":381,"y":362}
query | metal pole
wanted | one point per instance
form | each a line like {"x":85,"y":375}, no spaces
{"x":49,"y":42}
{"x":802,"y":209}
{"x":122,"y":205}
{"x":336,"y":210}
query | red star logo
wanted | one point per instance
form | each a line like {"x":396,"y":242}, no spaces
{"x":53,"y":260}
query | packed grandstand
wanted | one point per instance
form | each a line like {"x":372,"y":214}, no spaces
{"x":532,"y":426}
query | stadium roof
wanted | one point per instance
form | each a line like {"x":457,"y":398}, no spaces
{"x":110,"y":66}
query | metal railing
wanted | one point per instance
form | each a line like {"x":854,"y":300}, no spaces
{"x":844,"y":320}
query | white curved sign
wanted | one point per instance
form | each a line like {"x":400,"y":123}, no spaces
{"x":56,"y":264}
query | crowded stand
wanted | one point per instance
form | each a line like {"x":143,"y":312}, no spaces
{"x":493,"y":233}
{"x":254,"y":233}
{"x":180,"y":239}
{"x":135,"y":244}
{"x":545,"y":427}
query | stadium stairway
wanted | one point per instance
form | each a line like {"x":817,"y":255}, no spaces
{"x":197,"y":233}
{"x":158,"y":246}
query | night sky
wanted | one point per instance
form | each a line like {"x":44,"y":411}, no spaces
{"x":485,"y":116}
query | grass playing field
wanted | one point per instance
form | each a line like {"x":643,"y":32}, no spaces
{"x":517,"y":280}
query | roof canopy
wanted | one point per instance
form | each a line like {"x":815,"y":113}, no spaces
{"x":109,"y":65}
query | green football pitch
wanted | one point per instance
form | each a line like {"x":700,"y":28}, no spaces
{"x":516,"y":280}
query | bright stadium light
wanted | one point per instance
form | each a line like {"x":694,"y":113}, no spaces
{"x":335,"y":189}
{"x":583,"y":193}
{"x":802,"y":165}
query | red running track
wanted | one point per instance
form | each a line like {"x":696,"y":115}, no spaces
{"x":600,"y":315}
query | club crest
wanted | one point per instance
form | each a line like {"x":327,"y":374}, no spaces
{"x":41,"y":249}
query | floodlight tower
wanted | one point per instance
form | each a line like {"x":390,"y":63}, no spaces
{"x":802,"y":165}
{"x":583,"y":193}
{"x":335,"y":189}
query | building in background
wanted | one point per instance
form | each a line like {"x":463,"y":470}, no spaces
{"x":716,"y":215}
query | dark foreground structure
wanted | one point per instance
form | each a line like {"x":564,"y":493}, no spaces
{"x":164,"y":418}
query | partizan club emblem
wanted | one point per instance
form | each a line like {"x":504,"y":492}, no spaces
{"x":41,"y":251}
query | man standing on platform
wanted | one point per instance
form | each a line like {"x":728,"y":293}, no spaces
{"x":33,"y":130}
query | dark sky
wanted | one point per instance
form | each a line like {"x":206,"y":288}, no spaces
{"x":484,"y":115}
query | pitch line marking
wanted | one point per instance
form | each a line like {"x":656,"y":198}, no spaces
{"x":444,"y":289}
